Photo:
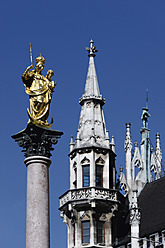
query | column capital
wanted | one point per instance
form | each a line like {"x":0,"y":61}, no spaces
{"x":37,"y":141}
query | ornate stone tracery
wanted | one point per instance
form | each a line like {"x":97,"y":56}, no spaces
{"x":85,"y":161}
{"x":100,"y":161}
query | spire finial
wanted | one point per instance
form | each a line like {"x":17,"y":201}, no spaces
{"x":92,"y":49}
{"x":147,"y":98}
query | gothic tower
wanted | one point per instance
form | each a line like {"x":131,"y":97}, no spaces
{"x":88,"y":206}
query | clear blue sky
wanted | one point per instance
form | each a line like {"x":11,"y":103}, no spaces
{"x":130,"y":37}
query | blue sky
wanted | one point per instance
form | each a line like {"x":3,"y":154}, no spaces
{"x":130,"y":37}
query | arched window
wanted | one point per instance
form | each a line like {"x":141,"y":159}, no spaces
{"x":86,"y":175}
{"x":99,"y":172}
{"x":99,"y":175}
{"x":101,"y":232}
{"x":85,"y":228}
{"x":85,"y":172}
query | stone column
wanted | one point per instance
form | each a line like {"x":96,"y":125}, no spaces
{"x":37,"y":211}
{"x":37,"y":146}
{"x":134,"y":220}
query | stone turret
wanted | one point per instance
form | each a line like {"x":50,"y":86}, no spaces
{"x":88,"y":206}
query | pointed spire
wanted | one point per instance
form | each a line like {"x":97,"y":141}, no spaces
{"x":71,"y":144}
{"x":91,"y":86}
{"x":113,"y":144}
{"x":92,"y":129}
{"x":128,"y":140}
{"x":158,"y":154}
{"x":157,"y":141}
{"x":136,"y":144}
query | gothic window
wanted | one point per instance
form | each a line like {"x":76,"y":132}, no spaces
{"x":86,"y":175}
{"x":99,"y":175}
{"x":100,"y":232}
{"x":99,"y":172}
{"x":85,"y":225}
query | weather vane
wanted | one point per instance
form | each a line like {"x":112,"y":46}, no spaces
{"x":92,"y":49}
{"x":147,"y":98}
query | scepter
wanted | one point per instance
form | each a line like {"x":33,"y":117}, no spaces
{"x":31,"y":58}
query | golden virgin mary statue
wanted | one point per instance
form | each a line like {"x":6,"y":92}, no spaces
{"x":39,"y":89}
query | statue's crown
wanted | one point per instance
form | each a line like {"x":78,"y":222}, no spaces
{"x":40,"y":59}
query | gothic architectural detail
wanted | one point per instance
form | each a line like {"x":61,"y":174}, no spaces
{"x":85,"y":161}
{"x":100,"y":212}
{"x":85,"y":216}
{"x":100,"y":161}
{"x":141,"y":169}
{"x":93,"y":181}
{"x":37,"y":141}
{"x":128,"y":140}
{"x":89,"y":193}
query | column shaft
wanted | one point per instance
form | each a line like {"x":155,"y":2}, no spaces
{"x":37,"y":211}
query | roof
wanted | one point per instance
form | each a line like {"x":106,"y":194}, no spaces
{"x":152,"y":207}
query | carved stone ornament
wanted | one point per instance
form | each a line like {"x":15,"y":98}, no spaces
{"x":100,"y":161}
{"x":134,"y":214}
{"x":85,"y":215}
{"x":81,"y":194}
{"x":85,"y":161}
{"x":37,"y":141}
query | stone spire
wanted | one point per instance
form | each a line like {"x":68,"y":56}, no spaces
{"x":145,"y":145}
{"x":92,"y":130}
{"x":158,"y":156}
{"x":128,"y":151}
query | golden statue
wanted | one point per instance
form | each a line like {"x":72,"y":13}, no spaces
{"x":39,"y":89}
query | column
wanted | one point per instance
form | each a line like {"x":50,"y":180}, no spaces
{"x":37,"y":146}
{"x":37,"y":210}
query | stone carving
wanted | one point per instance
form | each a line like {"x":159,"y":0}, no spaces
{"x":103,"y":217}
{"x":87,"y":122}
{"x":85,"y":214}
{"x":89,"y":104}
{"x":96,"y":105}
{"x":81,"y":194}
{"x":98,"y":122}
{"x":88,"y":194}
{"x":100,"y":161}
{"x":73,"y":216}
{"x":128,"y":140}
{"x":64,"y":199}
{"x":74,"y":165}
{"x":105,"y":194}
{"x":85,"y":161}
{"x":37,"y":141}
{"x":134,"y":209}
{"x":137,"y":161}
{"x":134,"y":214}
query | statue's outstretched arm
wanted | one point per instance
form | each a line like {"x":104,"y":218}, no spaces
{"x":26,"y":77}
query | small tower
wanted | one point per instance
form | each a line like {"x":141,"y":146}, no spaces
{"x":87,"y":208}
